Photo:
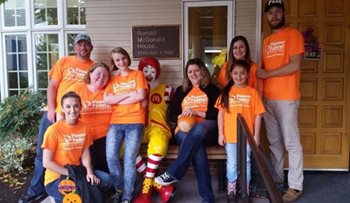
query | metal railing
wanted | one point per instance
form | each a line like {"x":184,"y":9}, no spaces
{"x":244,"y":134}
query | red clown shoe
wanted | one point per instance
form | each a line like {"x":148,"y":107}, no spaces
{"x":165,"y":192}
{"x":145,"y":195}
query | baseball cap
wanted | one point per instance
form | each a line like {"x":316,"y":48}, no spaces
{"x":271,"y":3}
{"x":82,"y":37}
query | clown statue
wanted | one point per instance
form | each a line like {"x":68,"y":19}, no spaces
{"x":156,"y":134}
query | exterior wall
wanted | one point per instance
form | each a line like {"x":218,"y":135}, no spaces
{"x":109,"y":24}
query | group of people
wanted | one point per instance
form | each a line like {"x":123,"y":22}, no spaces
{"x":95,"y":118}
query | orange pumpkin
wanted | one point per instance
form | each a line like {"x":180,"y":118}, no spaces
{"x":186,"y":123}
{"x":72,"y":198}
{"x":66,"y":186}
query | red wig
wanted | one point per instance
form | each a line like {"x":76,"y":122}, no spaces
{"x":150,"y":61}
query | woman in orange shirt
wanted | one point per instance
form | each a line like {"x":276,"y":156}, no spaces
{"x":237,"y":97}
{"x":67,"y":142}
{"x":95,"y":113}
{"x":195,"y":98}
{"x":239,"y":50}
{"x":125,"y":93}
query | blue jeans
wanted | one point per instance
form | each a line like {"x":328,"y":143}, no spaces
{"x":231,"y":163}
{"x":52,"y":188}
{"x":132,"y":136}
{"x":192,"y":149}
{"x":37,"y":183}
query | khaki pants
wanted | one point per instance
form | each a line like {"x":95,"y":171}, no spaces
{"x":281,"y":121}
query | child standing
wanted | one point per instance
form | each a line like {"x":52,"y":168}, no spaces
{"x":237,"y":97}
{"x":125,"y":93}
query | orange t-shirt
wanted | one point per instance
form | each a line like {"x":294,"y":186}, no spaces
{"x":252,"y":80}
{"x":67,"y":71}
{"x":95,"y":113}
{"x":277,"y":49}
{"x":67,"y":143}
{"x":196,"y":100}
{"x":241,"y":100}
{"x":127,"y":113}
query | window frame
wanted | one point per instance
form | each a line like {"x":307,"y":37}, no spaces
{"x":186,"y":4}
{"x":16,"y":28}
{"x":30,"y":30}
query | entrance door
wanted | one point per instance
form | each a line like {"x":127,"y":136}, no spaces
{"x":324,"y":114}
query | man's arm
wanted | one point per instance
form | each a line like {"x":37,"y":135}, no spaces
{"x":51,"y":100}
{"x":293,"y":65}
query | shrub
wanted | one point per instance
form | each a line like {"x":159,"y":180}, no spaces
{"x":20,"y":114}
{"x":13,"y":153}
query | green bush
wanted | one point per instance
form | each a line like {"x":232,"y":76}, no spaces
{"x":13,"y":153}
{"x":20,"y":114}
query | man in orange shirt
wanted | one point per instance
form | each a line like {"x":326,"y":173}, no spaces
{"x":282,"y":55}
{"x":66,"y":72}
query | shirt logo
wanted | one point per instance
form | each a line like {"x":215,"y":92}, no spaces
{"x":275,"y":49}
{"x":75,"y":74}
{"x":123,"y":87}
{"x":239,"y":100}
{"x":156,"y":98}
{"x":73,"y":141}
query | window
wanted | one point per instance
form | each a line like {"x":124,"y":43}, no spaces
{"x":208,"y":29}
{"x":34,"y":34}
{"x":14,"y":13}
{"x":46,"y":55}
{"x":45,"y":12}
{"x":17,"y":63}
{"x":76,"y":12}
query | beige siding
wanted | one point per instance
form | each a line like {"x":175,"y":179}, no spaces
{"x":245,"y":18}
{"x":109,"y":24}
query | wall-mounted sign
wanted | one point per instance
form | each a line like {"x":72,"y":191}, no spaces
{"x":312,"y":45}
{"x":156,"y":41}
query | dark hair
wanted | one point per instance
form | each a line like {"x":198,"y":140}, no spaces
{"x":70,"y":94}
{"x":122,"y":51}
{"x":225,"y":92}
{"x":231,"y":59}
{"x":87,"y":78}
{"x":186,"y":84}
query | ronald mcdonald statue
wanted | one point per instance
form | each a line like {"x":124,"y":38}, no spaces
{"x":157,"y":133}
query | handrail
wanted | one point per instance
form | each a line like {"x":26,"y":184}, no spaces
{"x":243,"y":135}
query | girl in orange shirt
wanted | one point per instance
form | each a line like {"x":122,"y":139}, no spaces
{"x":237,"y":97}
{"x":125,"y":93}
{"x":239,"y":50}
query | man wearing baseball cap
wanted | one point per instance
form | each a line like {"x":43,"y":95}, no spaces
{"x":67,"y":72}
{"x":282,"y":56}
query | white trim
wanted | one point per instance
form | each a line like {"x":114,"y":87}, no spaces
{"x":30,"y":56}
{"x":2,"y":66}
{"x":258,"y":42}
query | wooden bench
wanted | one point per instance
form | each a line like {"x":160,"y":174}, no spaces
{"x":213,"y":152}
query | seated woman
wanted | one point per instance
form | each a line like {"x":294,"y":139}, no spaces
{"x":67,"y":142}
{"x":195,"y":98}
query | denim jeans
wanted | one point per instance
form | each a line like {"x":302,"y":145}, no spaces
{"x":231,"y":163}
{"x":132,"y":136}
{"x":52,"y":188}
{"x":192,"y":149}
{"x":37,"y":183}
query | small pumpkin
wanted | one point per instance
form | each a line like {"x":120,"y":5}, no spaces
{"x":66,"y":186}
{"x":186,"y":123}
{"x":71,"y":198}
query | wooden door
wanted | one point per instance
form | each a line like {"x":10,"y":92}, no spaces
{"x":324,"y":114}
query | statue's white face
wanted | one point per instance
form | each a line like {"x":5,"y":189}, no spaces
{"x":150,"y":73}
